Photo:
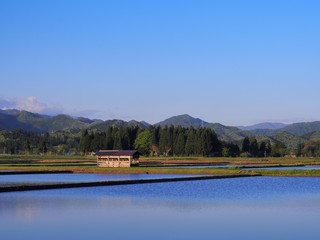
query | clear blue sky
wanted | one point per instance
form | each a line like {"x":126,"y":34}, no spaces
{"x":233,"y":62}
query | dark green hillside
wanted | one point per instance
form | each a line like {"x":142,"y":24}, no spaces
{"x":264,"y":138}
{"x":291,"y":141}
{"x":87,"y":120}
{"x":9,"y":111}
{"x":229,"y":134}
{"x":103,"y":126}
{"x":10,"y":122}
{"x":301,"y":129}
{"x":42,"y":134}
{"x":264,"y":126}
{"x":14,"y":119}
{"x":291,"y":136}
{"x":298,"y":129}
{"x":106,"y":124}
{"x":36,"y":122}
{"x":50,"y":124}
{"x":224,"y":133}
{"x":312,"y":135}
{"x":184,"y":121}
{"x":145,"y":124}
{"x":267,"y":132}
{"x":63,"y":122}
{"x":33,"y":119}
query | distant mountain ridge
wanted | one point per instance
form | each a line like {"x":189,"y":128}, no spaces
{"x":303,"y":128}
{"x":264,"y":126}
{"x":225,"y":133}
{"x":15,"y":119}
{"x":290,"y":135}
{"x":36,"y":122}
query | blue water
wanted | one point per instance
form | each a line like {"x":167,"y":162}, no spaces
{"x":240,"y":208}
{"x":308,"y":167}
{"x":47,"y":178}
{"x":198,"y":166}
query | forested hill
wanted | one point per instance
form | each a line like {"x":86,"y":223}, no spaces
{"x":184,"y":121}
{"x":303,"y":128}
{"x":265,"y":125}
{"x":10,"y":120}
{"x":290,"y":135}
{"x":224,"y":133}
{"x":14,"y":119}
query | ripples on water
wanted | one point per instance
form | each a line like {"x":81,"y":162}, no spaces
{"x":241,"y":208}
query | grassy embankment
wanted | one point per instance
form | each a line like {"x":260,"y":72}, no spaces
{"x":80,"y":164}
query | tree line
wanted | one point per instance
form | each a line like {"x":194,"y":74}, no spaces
{"x":176,"y":141}
{"x":29,"y":142}
{"x":153,"y":141}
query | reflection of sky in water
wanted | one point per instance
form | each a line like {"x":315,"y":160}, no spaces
{"x":45,"y":178}
{"x":315,"y":167}
{"x":243,"y":208}
{"x":309,"y":167}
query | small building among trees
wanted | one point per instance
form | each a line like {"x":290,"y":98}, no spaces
{"x":117,"y":158}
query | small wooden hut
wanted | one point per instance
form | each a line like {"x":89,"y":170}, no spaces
{"x":117,"y":158}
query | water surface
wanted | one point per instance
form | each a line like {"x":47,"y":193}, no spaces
{"x":241,"y":208}
{"x":73,"y":178}
{"x":307,"y":167}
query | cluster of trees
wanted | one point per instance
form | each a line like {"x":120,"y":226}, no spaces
{"x":153,"y":141}
{"x":156,"y":141}
{"x":112,"y":138}
{"x":28,"y":142}
{"x":311,"y":148}
{"x":177,"y":141}
{"x":251,"y":148}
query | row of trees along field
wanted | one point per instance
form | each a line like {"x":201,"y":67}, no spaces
{"x":28,"y":142}
{"x":165,"y":141}
{"x":156,"y":141}
{"x":178,"y":141}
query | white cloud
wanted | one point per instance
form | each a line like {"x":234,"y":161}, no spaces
{"x":6,"y":104}
{"x":30,"y":104}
